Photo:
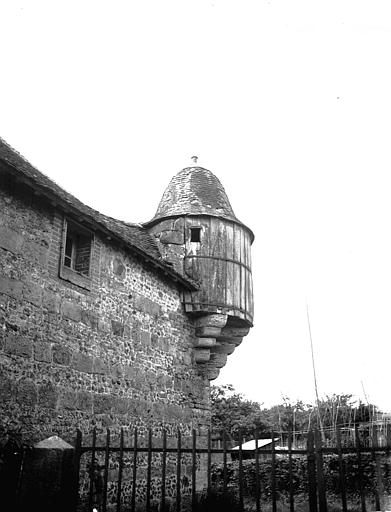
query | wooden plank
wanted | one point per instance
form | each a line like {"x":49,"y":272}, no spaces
{"x":92,"y":471}
{"x":164,"y":465}
{"x":273,"y":475}
{"x":257,"y":477}
{"x":120,"y":469}
{"x":290,"y":469}
{"x":225,"y":473}
{"x":194,"y":469}
{"x":149,"y":469}
{"x":178,"y":471}
{"x":76,"y":469}
{"x":379,"y":488}
{"x":241,"y":501}
{"x":243,"y":288}
{"x":236,"y":268}
{"x":312,"y":494}
{"x":229,"y":232}
{"x":134,"y":472}
{"x":106,"y":471}
{"x":342,"y":476}
{"x":360,"y":470}
{"x":320,"y":473}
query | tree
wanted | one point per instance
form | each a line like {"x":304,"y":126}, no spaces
{"x":231,"y":412}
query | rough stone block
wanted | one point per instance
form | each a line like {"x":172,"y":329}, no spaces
{"x":117,"y":371}
{"x":90,"y":318}
{"x":204,"y":342}
{"x":61,"y":355}
{"x":82,"y":362}
{"x":84,"y":401}
{"x":5,"y":388}
{"x":51,"y":302}
{"x":71,"y":311}
{"x":117,"y":328}
{"x":42,"y":352}
{"x":102,"y":403}
{"x":119,"y":268}
{"x":26,"y":392}
{"x":18,"y":345}
{"x":67,"y":400}
{"x":99,"y":366}
{"x":145,"y":338}
{"x":201,"y":355}
{"x":129,"y":372}
{"x":121,"y":405}
{"x":172,"y":237}
{"x":47,"y":395}
{"x":11,"y":287}
{"x":10,"y":240}
{"x":32,"y":292}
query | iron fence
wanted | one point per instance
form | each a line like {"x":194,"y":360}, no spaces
{"x":160,"y":473}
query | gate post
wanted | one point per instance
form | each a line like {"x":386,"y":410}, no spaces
{"x":312,"y":494}
{"x":49,"y":477}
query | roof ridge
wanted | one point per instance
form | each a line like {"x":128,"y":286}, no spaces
{"x":135,"y":236}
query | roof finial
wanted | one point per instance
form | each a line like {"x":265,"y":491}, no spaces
{"x":195,"y":159}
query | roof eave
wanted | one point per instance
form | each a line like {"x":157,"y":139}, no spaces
{"x":85,"y":218}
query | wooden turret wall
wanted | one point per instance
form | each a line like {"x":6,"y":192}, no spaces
{"x":221,"y":262}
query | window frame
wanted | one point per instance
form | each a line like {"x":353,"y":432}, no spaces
{"x":67,"y":273}
{"x":194,"y":230}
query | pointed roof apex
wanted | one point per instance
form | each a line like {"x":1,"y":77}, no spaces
{"x":194,"y":191}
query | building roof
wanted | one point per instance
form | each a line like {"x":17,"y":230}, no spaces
{"x":194,"y":191}
{"x":134,"y":236}
{"x":250,"y":445}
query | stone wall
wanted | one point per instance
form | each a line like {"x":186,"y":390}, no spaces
{"x":117,"y":354}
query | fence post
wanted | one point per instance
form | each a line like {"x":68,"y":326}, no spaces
{"x":320,"y":472}
{"x":49,"y":479}
{"x":360,"y":472}
{"x":312,"y":495}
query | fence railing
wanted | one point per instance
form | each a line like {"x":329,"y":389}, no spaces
{"x":181,"y":473}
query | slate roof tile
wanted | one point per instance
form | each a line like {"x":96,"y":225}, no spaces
{"x":135,"y":236}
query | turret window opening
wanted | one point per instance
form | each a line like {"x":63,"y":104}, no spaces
{"x":195,"y":234}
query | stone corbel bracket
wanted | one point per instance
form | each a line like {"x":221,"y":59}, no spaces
{"x":214,"y":342}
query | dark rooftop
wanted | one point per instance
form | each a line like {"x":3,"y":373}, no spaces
{"x":134,"y":236}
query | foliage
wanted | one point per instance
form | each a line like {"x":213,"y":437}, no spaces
{"x":300,"y":475}
{"x":232,"y":412}
{"x":215,"y":501}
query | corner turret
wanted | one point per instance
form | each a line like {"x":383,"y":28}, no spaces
{"x":199,"y":234}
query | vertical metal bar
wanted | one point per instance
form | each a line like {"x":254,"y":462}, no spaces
{"x":92,"y":471}
{"x":379,"y":482}
{"x":320,"y":472}
{"x":106,"y":471}
{"x":164,"y":464}
{"x":193,"y":471}
{"x":120,"y":469}
{"x":178,"y":472}
{"x":273,"y":475}
{"x":360,"y":470}
{"x":134,"y":472}
{"x":209,"y":463}
{"x":257,"y":482}
{"x":312,"y":495}
{"x":76,"y":465}
{"x":225,"y":473}
{"x":342,"y":476}
{"x":290,"y":469}
{"x":240,"y":471}
{"x":149,"y":464}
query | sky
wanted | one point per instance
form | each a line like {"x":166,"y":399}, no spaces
{"x":287,"y":102}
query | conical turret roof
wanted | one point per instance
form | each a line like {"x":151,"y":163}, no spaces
{"x":194,"y":191}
